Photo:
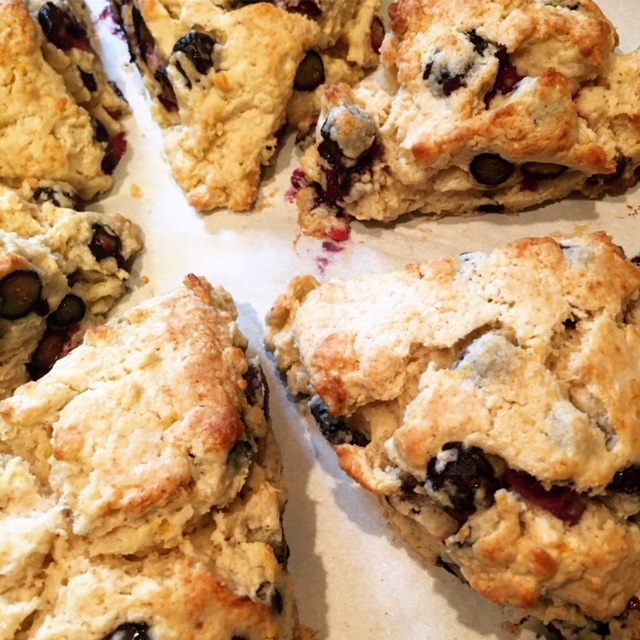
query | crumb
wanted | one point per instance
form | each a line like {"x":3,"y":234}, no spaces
{"x":136,"y":191}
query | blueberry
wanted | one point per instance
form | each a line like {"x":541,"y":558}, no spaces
{"x":88,"y":80}
{"x":335,"y":429}
{"x":626,"y":481}
{"x":256,"y":391}
{"x":490,"y":169}
{"x":50,"y":348}
{"x":445,"y":80}
{"x":104,"y":243}
{"x":559,"y":500}
{"x":198,"y":48}
{"x":377,"y":34}
{"x":130,"y":631}
{"x":20,"y":291}
{"x":507,"y":77}
{"x":58,"y":197}
{"x":310,"y":73}
{"x":62,"y":29}
{"x":461,"y":480}
{"x":70,"y":311}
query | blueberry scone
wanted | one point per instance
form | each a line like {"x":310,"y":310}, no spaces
{"x":63,"y":271}
{"x":492,"y":401}
{"x":221,"y":75}
{"x":477,"y":107}
{"x":60,"y":121}
{"x":147,"y":456}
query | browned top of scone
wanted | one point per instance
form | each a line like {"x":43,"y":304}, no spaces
{"x":44,"y":134}
{"x":141,"y":420}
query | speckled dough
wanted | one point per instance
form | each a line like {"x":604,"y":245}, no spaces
{"x":222,"y":78}
{"x":491,"y":401}
{"x":480,"y":107}
{"x":160,"y":503}
{"x":48,"y":129}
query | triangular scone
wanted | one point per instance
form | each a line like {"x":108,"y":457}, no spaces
{"x":221,"y":78}
{"x":50,"y":131}
{"x":153,"y":435}
{"x":477,"y":107}
{"x":77,"y":265}
{"x":492,"y":401}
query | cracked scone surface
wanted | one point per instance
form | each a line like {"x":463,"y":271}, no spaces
{"x":222,"y":75}
{"x":491,"y":400}
{"x":76,"y":266}
{"x":478,"y":107}
{"x":53,"y":130}
{"x":162,"y":501}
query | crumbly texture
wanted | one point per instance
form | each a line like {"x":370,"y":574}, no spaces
{"x":49,"y":130}
{"x":491,"y":401}
{"x":222,"y":78}
{"x":59,"y":245}
{"x":479,"y":107}
{"x":163,"y":503}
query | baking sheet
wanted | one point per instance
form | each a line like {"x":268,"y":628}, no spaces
{"x":354,"y":577}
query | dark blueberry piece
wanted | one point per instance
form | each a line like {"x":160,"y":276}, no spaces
{"x":104,"y":243}
{"x":167,"y":96}
{"x":277,"y":602}
{"x":626,"y":481}
{"x":633,"y":604}
{"x":542,"y":170}
{"x":62,"y":29}
{"x":377,"y":34}
{"x":490,"y":169}
{"x":281,"y":552}
{"x":88,"y":80}
{"x":144,"y":40}
{"x":561,"y":501}
{"x":50,"y":348}
{"x":462,"y":480}
{"x":636,"y":260}
{"x":19,"y":292}
{"x":310,"y":73}
{"x":507,"y":77}
{"x":101,"y":132}
{"x":491,"y":208}
{"x":479,"y":43}
{"x":198,"y":48}
{"x":130,"y":631}
{"x":305,"y":7}
{"x":570,"y":323}
{"x":608,"y":178}
{"x":240,"y":454}
{"x":59,"y":198}
{"x":70,"y":311}
{"x":447,"y":81}
{"x":335,"y":430}
{"x":257,"y":391}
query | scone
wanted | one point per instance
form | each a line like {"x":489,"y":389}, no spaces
{"x":63,"y":271}
{"x":476,"y":107}
{"x":60,"y":119}
{"x":221,"y":75}
{"x":148,"y":455}
{"x":492,"y":401}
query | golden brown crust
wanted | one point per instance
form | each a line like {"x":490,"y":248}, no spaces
{"x":519,"y":366}
{"x":536,"y":85}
